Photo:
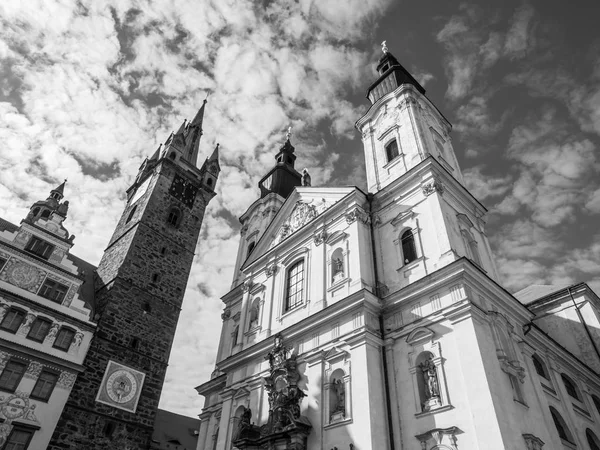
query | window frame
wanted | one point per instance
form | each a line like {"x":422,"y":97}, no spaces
{"x":3,"y":261}
{"x":540,"y":367}
{"x":402,"y":240}
{"x":62,"y":330}
{"x":592,"y":439}
{"x":39,"y":320}
{"x":177,"y":214}
{"x":287,"y":307}
{"x":24,"y":429}
{"x":561,"y":425}
{"x":570,"y":385}
{"x":33,"y":247}
{"x":18,"y":381}
{"x":37,"y":382}
{"x":49,"y":292}
{"x":390,"y":156}
{"x":13,"y":310}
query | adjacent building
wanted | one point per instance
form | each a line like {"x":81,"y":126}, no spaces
{"x":376,"y":320}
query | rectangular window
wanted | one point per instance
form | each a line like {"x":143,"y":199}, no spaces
{"x":294,"y":286}
{"x":39,"y":247}
{"x":12,"y":320}
{"x":2,"y":262}
{"x":11,"y":375}
{"x":19,"y":438}
{"x":63,"y":339}
{"x":53,"y":290}
{"x":39,"y":330}
{"x":44,"y":386}
{"x":391,"y":150}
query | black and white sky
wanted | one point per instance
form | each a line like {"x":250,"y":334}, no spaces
{"x":88,"y":89}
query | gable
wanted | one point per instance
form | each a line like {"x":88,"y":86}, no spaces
{"x":300,"y":209}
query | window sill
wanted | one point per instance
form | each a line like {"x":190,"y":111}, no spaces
{"x":39,"y":399}
{"x":8,"y":330}
{"x":394,"y":161}
{"x":255,"y":329}
{"x":410,"y":265}
{"x":39,"y":341}
{"x":338,"y":283}
{"x":438,"y":409}
{"x":521,"y":402}
{"x":338,"y":423}
{"x":289,"y":312}
{"x":549,"y":390}
{"x":580,"y":409}
{"x":12,"y":391}
{"x":568,"y":444}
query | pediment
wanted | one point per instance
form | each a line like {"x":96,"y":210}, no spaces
{"x":242,"y":392}
{"x":300,"y":209}
{"x":420,"y":335}
{"x":402,"y":216}
{"x":335,"y":353}
{"x":463,"y":219}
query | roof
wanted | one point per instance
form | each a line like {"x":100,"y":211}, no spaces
{"x":536,"y":291}
{"x":180,"y":432}
{"x":87,"y":291}
{"x":5,"y":225}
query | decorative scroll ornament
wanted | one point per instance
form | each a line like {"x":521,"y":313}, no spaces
{"x":320,"y":237}
{"x":302,"y":214}
{"x":271,"y":270}
{"x":358,"y":214}
{"x":226,"y":314}
{"x":247,"y":286}
{"x":433,"y":186}
{"x":285,"y":421}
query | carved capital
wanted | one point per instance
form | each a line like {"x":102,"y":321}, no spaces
{"x":247,"y":286}
{"x":244,"y":230}
{"x":226,"y":314}
{"x":433,"y":186}
{"x":271,"y":270}
{"x":358,"y":214}
{"x":320,"y":237}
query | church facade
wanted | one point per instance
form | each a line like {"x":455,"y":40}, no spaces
{"x":84,"y":349}
{"x":377,"y":320}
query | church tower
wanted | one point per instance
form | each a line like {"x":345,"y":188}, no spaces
{"x":140,"y":283}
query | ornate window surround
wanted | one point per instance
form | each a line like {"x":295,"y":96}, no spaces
{"x":338,"y":242}
{"x":294,"y":257}
{"x":410,"y":222}
{"x":420,"y":340}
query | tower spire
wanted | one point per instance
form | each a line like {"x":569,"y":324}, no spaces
{"x":194,"y":134}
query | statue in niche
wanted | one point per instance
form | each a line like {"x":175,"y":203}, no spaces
{"x":243,"y":424}
{"x":338,"y":266}
{"x":432,"y":389}
{"x":340,"y":393}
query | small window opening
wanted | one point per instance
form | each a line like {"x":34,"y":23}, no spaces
{"x":384,"y":68}
{"x":174,"y":216}
{"x":163,"y":251}
{"x":155,"y":278}
{"x":109,"y":429}
{"x":209,"y":181}
{"x":36,"y":211}
{"x":135,"y":343}
{"x":172,"y":155}
{"x":250,"y":248}
{"x":45,"y":214}
{"x":409,"y":250}
{"x":391,"y":150}
{"x":147,"y":308}
{"x":131,"y":214}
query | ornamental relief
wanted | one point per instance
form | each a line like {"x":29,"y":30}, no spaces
{"x":303,"y":213}
{"x":23,"y":275}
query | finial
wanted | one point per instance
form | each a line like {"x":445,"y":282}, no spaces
{"x":384,"y":47}
{"x":288,"y":135}
{"x":206,"y":98}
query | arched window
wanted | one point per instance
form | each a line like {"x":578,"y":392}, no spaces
{"x":174,"y":217}
{"x":409,"y":250}
{"x":45,"y":214}
{"x":131,"y":213}
{"x":471,"y":247}
{"x":596,"y":401}
{"x":571,"y":387}
{"x":337,"y":265}
{"x":254,"y":313}
{"x":294,"y":285}
{"x":391,"y":150}
{"x":592,"y":439}
{"x":561,"y":426}
{"x":250,"y":248}
{"x":35,"y":211}
{"x":540,"y":367}
{"x":172,"y":156}
{"x":337,"y":395}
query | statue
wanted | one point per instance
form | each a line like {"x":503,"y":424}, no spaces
{"x":384,"y":47}
{"x":288,"y":135}
{"x":338,"y":266}
{"x":340,"y":393}
{"x":305,"y":178}
{"x":432,"y":389}
{"x":243,"y":424}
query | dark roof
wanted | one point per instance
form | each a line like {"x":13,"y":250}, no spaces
{"x":5,"y":225}
{"x":181,"y":432}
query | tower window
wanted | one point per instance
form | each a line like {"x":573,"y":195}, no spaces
{"x":12,"y":320}
{"x":45,"y":214}
{"x":163,"y":251}
{"x":53,"y":290}
{"x":135,"y":343}
{"x":39,"y":247}
{"x":109,"y":429}
{"x":147,"y":308}
{"x":19,"y":438}
{"x":570,"y":387}
{"x":540,"y":367}
{"x":409,"y":250}
{"x":63,"y":339}
{"x":11,"y":375}
{"x":294,"y":285}
{"x":39,"y":330}
{"x":391,"y":150}
{"x":250,"y":248}
{"x":44,"y":386}
{"x":35,"y":211}
{"x":174,"y":217}
{"x":131,"y":214}
{"x":561,"y":426}
{"x":209,"y":181}
{"x":155,"y":278}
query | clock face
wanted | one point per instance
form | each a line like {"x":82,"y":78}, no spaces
{"x":183,"y":190}
{"x":141,"y":190}
{"x":121,"y":386}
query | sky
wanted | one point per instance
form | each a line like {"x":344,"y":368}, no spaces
{"x":88,"y":89}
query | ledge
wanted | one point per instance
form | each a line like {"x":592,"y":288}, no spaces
{"x":439,"y":409}
{"x":339,"y":423}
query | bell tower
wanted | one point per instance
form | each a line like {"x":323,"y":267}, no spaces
{"x":139,"y":288}
{"x":402,"y":127}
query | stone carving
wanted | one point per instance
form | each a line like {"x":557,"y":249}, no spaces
{"x":34,"y":370}
{"x":26,"y":325}
{"x":320,"y":237}
{"x":301,"y":214}
{"x":244,"y":425}
{"x":285,"y":422}
{"x":533,"y":442}
{"x":271,"y":270}
{"x":77,"y":339}
{"x":3,"y":308}
{"x":305,"y":178}
{"x":357,"y":214}
{"x":430,"y":379}
{"x":340,"y":394}
{"x":17,"y":406}
{"x":433,"y":186}
{"x":244,"y":230}
{"x":3,"y":359}
{"x":66,"y":380}
{"x":24,"y":276}
{"x":52,"y":333}
{"x":22,"y":238}
{"x":338,"y":266}
{"x":247,"y":285}
{"x":440,"y":436}
{"x":226,"y":314}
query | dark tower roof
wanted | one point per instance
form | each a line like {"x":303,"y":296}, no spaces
{"x":283,"y":178}
{"x":391,"y":76}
